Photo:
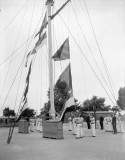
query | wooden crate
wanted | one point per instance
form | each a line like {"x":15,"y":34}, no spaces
{"x":52,"y":129}
{"x":23,"y":126}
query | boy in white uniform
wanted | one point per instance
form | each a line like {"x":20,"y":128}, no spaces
{"x":80,"y":131}
{"x":93,"y":126}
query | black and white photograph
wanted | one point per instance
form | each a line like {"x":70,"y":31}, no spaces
{"x":62,"y":79}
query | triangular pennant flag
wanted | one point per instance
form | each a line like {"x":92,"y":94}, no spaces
{"x":63,"y":52}
{"x":43,"y":26}
{"x":66,"y":77}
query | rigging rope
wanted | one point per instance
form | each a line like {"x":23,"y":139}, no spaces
{"x":25,"y":53}
{"x":32,"y":36}
{"x":20,"y":65}
{"x":87,"y":61}
{"x":12,"y":19}
{"x":99,"y":49}
{"x":91,"y":52}
{"x":13,"y":51}
{"x":12,"y":84}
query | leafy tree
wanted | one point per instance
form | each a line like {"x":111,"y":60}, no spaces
{"x":8,"y":112}
{"x":121,"y":98}
{"x":94,"y":104}
{"x":27,"y":113}
{"x":60,"y":96}
{"x":115,"y":108}
{"x":12,"y":113}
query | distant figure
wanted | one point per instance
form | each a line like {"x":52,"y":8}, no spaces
{"x":110,"y":128}
{"x":114,"y":124}
{"x":70,"y":123}
{"x":105,"y":123}
{"x":6,"y":121}
{"x":79,"y":131}
{"x":88,"y":121}
{"x":93,"y":126}
{"x":120,"y":126}
{"x":74,"y":125}
{"x":32,"y":125}
{"x":101,"y":122}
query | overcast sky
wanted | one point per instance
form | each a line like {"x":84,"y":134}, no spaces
{"x":108,"y":21}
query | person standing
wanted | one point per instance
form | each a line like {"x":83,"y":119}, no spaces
{"x":88,"y":121}
{"x":74,"y":124}
{"x":70,"y":123}
{"x":79,"y":131}
{"x":32,"y":124}
{"x":101,"y":122}
{"x":114,"y":124}
{"x":93,"y":126}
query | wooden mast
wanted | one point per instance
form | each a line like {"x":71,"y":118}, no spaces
{"x":51,"y":84}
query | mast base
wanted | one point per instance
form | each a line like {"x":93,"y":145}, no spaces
{"x":52,"y":129}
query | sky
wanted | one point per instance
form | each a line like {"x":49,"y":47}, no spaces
{"x":20,"y":19}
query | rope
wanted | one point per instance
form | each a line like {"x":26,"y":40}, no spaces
{"x":87,"y":60}
{"x":12,"y":19}
{"x":92,"y":53}
{"x":99,"y":49}
{"x":13,"y":51}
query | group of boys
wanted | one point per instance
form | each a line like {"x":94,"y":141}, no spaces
{"x":77,"y":127}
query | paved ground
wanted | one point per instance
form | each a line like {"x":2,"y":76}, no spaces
{"x":106,"y":146}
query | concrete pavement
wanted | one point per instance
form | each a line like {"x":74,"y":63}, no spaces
{"x":105,"y":146}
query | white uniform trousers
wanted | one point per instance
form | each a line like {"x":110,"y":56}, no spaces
{"x":70,"y":125}
{"x":93,"y":130}
{"x":32,"y":126}
{"x":74,"y":127}
{"x":40,"y":127}
{"x":79,"y":131}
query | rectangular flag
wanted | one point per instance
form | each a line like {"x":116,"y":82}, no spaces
{"x":43,"y":26}
{"x":63,"y":52}
{"x":69,"y":102}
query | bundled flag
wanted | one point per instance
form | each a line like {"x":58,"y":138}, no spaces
{"x":41,"y":41}
{"x":63,"y":52}
{"x":24,"y":103}
{"x":43,"y":26}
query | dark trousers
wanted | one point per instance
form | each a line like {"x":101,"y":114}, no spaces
{"x":88,"y":124}
{"x":101,"y":124}
{"x":114,"y":129}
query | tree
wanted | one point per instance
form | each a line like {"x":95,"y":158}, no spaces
{"x":121,"y":98}
{"x":60,"y":96}
{"x":115,"y":108}
{"x":8,"y":112}
{"x":27,"y":113}
{"x":94,"y":104}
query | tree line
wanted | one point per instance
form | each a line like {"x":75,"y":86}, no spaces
{"x":60,"y":95}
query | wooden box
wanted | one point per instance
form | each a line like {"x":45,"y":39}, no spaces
{"x":23,"y":126}
{"x":52,"y":129}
